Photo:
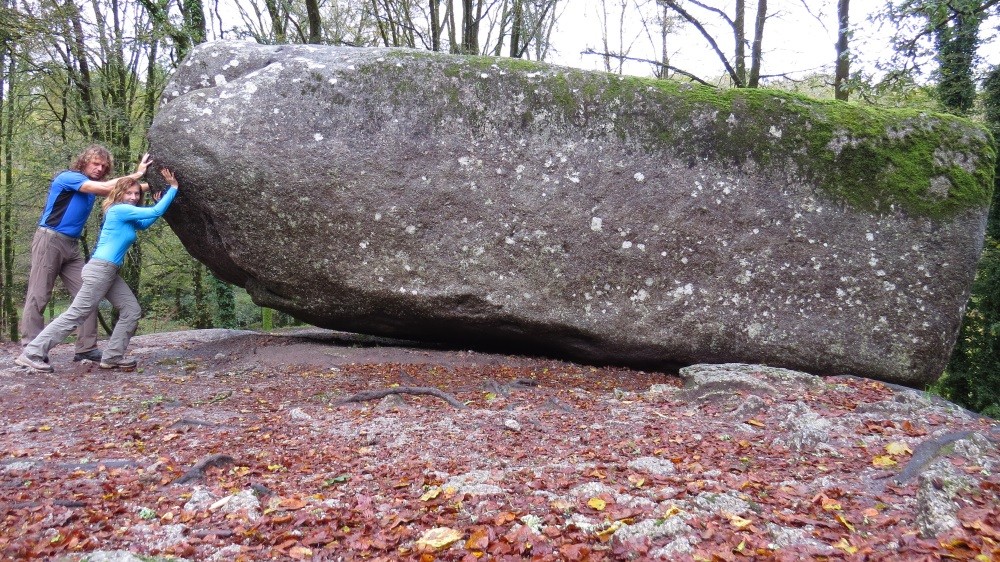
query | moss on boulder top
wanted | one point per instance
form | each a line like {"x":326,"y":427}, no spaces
{"x":875,"y":159}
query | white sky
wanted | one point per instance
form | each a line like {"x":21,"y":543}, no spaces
{"x":794,"y":41}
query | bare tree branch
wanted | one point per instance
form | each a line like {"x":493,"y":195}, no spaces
{"x":737,"y":81}
{"x":648,"y":61}
{"x":721,"y":14}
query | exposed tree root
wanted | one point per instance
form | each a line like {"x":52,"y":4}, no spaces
{"x":417,"y":390}
{"x":198,"y":470}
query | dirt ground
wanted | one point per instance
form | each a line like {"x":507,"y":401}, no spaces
{"x":312,"y":444}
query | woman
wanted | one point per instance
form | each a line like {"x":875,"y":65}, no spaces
{"x":122,"y":218}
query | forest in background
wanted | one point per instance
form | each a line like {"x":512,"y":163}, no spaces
{"x":76,"y":72}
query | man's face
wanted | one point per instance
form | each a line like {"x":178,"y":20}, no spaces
{"x":95,"y":168}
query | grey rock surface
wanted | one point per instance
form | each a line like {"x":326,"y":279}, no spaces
{"x":495,"y":203}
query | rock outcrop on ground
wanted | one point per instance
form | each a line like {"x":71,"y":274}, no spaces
{"x":248,"y":446}
{"x":497,"y":202}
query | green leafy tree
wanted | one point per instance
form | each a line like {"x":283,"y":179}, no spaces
{"x":973,"y":376}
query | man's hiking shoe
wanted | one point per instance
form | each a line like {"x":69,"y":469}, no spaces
{"x":40,"y":366}
{"x":92,"y":355}
{"x":121,"y":363}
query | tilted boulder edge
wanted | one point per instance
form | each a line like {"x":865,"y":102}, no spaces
{"x":497,"y":202}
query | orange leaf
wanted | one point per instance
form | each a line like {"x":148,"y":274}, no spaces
{"x":479,"y":540}
{"x":291,"y":504}
{"x":505,"y":517}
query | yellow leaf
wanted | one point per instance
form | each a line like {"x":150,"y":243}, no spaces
{"x":438,"y":537}
{"x":740,"y":547}
{"x":597,"y":503}
{"x":756,"y":423}
{"x":45,"y":428}
{"x":883,"y":461}
{"x":738,"y":522}
{"x":843,"y":521}
{"x":674,"y":510}
{"x":605,"y":534}
{"x":897,"y":448}
{"x":430,"y":494}
{"x":844,"y":545}
{"x":830,"y":504}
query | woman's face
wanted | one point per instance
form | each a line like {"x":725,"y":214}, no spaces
{"x":132,"y":195}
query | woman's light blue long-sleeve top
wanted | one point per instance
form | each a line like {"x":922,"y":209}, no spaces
{"x":121,"y":223}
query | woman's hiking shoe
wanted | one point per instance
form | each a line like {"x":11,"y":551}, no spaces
{"x":40,"y":366}
{"x":120,"y":363}
{"x":92,"y":355}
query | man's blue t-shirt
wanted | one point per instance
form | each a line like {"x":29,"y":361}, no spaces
{"x":121,"y":223}
{"x":67,"y":208}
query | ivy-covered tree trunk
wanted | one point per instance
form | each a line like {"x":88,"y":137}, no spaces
{"x":956,"y":41}
{"x":201,"y":315}
{"x":225,"y":304}
{"x":266,"y":319}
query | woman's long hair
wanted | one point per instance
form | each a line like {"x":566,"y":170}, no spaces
{"x":118,"y":192}
{"x":91,"y":152}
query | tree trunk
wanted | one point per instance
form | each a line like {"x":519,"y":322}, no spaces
{"x":661,"y":71}
{"x":843,"y":68}
{"x":8,"y":68}
{"x":436,"y":25}
{"x":315,"y":22}
{"x":505,"y":17}
{"x":453,"y":46}
{"x":516,"y":28}
{"x":756,"y":52}
{"x":470,"y":27}
{"x":277,"y":15}
{"x":740,"y":41}
{"x":81,"y":74}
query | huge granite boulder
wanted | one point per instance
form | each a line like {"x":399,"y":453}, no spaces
{"x":497,"y":202}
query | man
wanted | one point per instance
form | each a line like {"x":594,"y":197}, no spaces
{"x":55,"y":248}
